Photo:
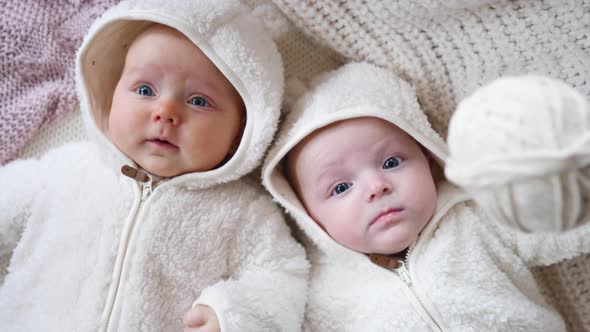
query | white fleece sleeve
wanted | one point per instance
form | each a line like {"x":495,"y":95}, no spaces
{"x":542,"y":220}
{"x":20,"y":183}
{"x":268,"y":286}
{"x":546,"y":248}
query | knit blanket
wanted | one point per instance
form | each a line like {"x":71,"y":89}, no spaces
{"x":38,"y":42}
{"x":449,"y":48}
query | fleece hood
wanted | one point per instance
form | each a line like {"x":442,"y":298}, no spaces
{"x":354,"y":90}
{"x":226,"y":32}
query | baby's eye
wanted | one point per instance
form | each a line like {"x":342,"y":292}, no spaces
{"x":145,"y":90}
{"x":392,"y":162}
{"x":198,"y":101}
{"x":340,"y":188}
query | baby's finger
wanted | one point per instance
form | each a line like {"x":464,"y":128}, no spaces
{"x":209,"y":327}
{"x":194,"y":318}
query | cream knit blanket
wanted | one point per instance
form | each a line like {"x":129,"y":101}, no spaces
{"x":449,"y":48}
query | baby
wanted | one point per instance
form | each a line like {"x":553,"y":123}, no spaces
{"x":128,"y":231}
{"x":393,"y":245}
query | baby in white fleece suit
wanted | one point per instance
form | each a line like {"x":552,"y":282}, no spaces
{"x":393,"y":245}
{"x":154,"y":215}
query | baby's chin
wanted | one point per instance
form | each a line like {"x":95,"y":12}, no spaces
{"x":165,"y":171}
{"x":387,"y":251}
{"x":392,"y":250}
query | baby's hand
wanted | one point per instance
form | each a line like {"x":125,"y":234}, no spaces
{"x":200,"y":318}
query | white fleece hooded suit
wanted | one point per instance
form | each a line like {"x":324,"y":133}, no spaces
{"x":465,"y":272}
{"x":92,"y":249}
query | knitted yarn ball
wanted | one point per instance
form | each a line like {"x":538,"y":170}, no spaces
{"x":521,"y":146}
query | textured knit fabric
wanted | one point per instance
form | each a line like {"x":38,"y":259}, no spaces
{"x":38,"y":40}
{"x":446,"y":49}
{"x":92,"y":249}
{"x":521,"y":146}
{"x":465,"y":272}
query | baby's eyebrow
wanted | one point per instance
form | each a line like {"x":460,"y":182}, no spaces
{"x":146,"y":68}
{"x":204,"y":84}
{"x":327,"y":170}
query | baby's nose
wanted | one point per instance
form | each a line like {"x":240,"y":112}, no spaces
{"x":167,"y":112}
{"x":379,"y":188}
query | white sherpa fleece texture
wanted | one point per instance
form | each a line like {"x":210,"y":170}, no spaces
{"x":233,"y":39}
{"x":69,"y":220}
{"x":465,"y":269}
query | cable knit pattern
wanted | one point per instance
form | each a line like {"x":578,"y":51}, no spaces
{"x":38,"y":40}
{"x":449,"y":48}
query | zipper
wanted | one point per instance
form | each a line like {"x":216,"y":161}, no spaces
{"x":146,"y":184}
{"x":393,"y":264}
{"x":401,"y":269}
{"x":403,"y":273}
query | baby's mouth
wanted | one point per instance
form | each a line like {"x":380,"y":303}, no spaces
{"x":388,"y":217}
{"x":163,"y":143}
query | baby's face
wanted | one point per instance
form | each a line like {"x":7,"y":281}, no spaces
{"x":366,"y":182}
{"x":173,"y":111}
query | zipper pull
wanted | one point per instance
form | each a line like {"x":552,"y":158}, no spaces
{"x":403,"y":273}
{"x":140,"y":176}
{"x":393,"y":264}
{"x":135,"y":174}
{"x":146,"y":189}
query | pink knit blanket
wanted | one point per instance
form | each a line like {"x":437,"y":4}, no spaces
{"x":38,"y":43}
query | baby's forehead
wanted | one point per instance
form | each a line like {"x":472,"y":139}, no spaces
{"x":331,"y":146}
{"x":159,"y":29}
{"x":351,"y":134}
